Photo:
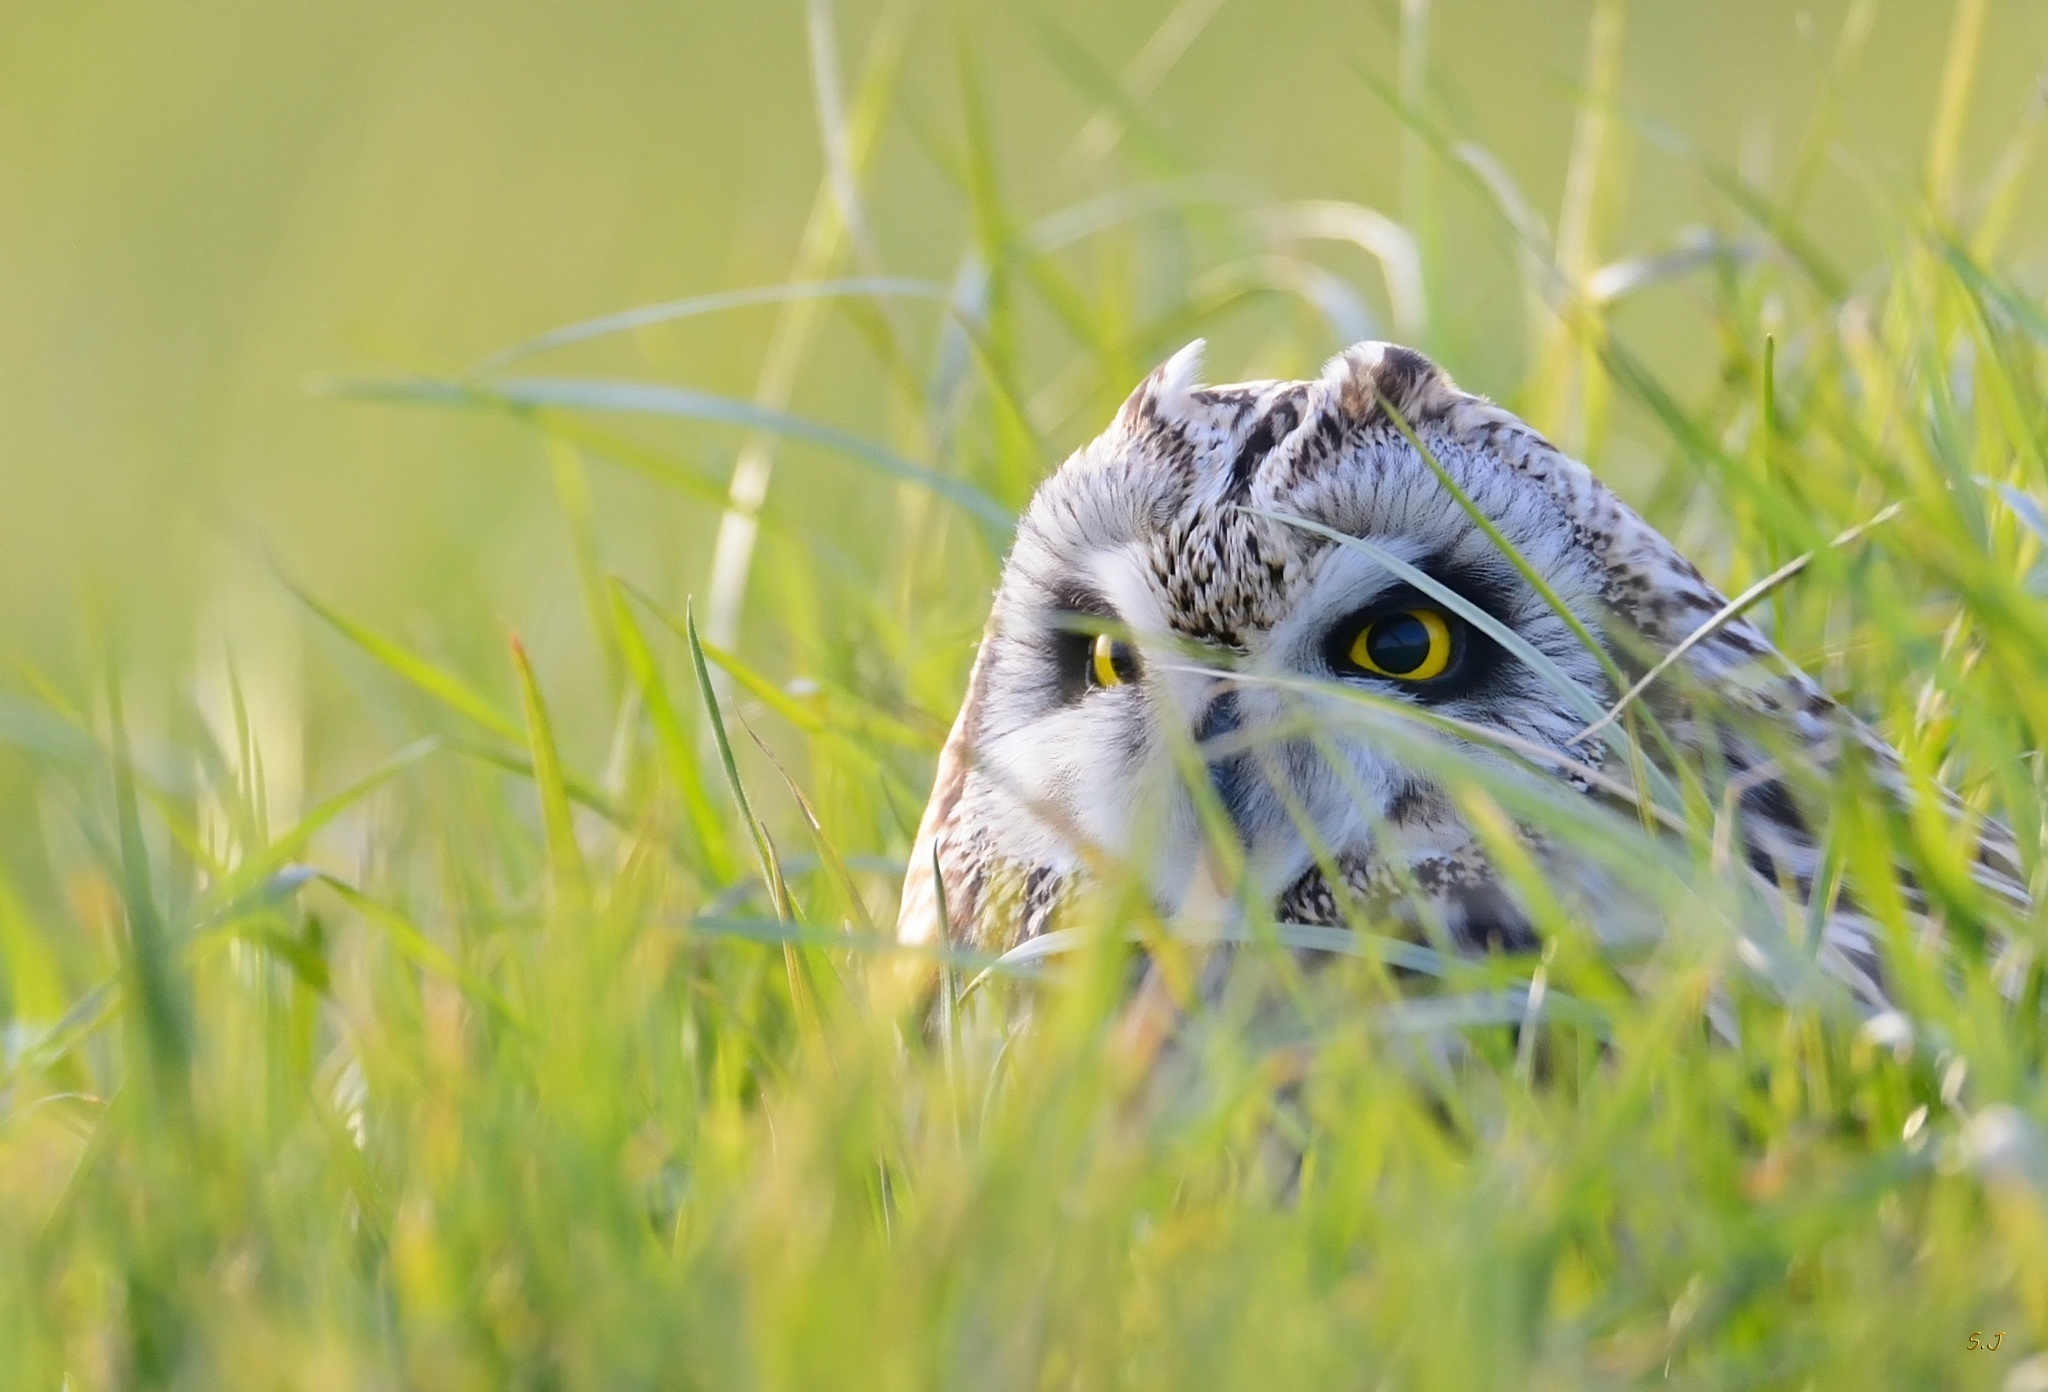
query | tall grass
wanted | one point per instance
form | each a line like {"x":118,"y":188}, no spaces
{"x":497,"y":1069}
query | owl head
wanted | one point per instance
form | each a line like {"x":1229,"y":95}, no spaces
{"x":1195,"y":598}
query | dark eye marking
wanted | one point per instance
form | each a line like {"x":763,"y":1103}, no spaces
{"x":1076,"y":615}
{"x":1386,"y":628}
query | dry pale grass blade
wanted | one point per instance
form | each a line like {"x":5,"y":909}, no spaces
{"x":1176,"y":33}
{"x":1952,"y":103}
{"x":796,"y":325}
{"x":1386,"y":240}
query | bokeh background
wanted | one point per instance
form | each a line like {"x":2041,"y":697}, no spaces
{"x":205,"y":208}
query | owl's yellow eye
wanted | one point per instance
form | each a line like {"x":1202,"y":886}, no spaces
{"x":1412,"y":645}
{"x":1111,"y":662}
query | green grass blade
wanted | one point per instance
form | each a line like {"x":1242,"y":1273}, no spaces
{"x":34,"y":976}
{"x":520,"y":764}
{"x":852,"y":723}
{"x":445,"y":688}
{"x":803,"y":967}
{"x":855,"y":904}
{"x":163,"y":1013}
{"x":669,"y":311}
{"x":569,"y":881}
{"x":676,"y":746}
{"x":274,"y":857}
{"x":764,"y":850}
{"x":423,"y":952}
{"x":658,"y":399}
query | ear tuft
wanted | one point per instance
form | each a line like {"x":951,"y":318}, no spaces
{"x":1160,"y":394}
{"x":1366,"y":377}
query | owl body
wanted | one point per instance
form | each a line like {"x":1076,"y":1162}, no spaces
{"x":1194,"y":598}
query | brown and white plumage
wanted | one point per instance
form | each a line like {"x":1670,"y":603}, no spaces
{"x":1175,"y":533}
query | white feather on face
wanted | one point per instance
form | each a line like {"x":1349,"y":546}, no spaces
{"x":1165,"y":534}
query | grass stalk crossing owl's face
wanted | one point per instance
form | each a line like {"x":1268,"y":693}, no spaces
{"x":1191,"y":596}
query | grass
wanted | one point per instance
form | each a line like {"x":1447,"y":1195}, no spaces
{"x":510,"y":1066}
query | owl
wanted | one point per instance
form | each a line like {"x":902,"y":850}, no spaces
{"x":1201,"y":604}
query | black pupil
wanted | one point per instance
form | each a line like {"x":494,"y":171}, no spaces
{"x":1399,"y":644}
{"x":1122,"y":661}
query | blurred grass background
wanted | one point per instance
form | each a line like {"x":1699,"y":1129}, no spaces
{"x":407,"y":1129}
{"x":207,"y":204}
